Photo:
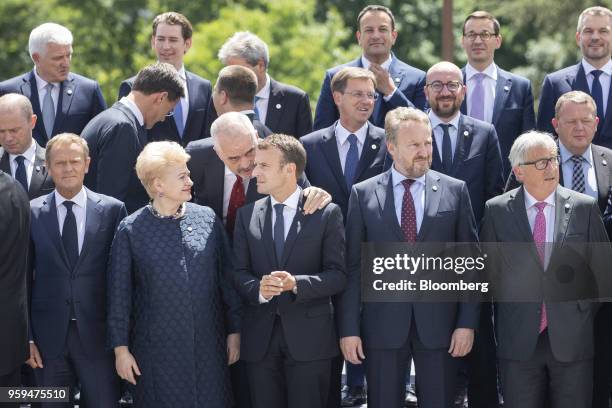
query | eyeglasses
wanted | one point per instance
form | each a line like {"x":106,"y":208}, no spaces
{"x":452,"y":86}
{"x":361,"y":95}
{"x":541,"y":164}
{"x":484,"y":36}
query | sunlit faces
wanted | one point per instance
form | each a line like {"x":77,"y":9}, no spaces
{"x":356,"y":103}
{"x":53,"y":65}
{"x":238,"y":153}
{"x":412,"y":149}
{"x":16,"y":130}
{"x":175,"y":183}
{"x":480,"y":51}
{"x":67,"y":167}
{"x":376,"y":35}
{"x":169,"y":44}
{"x":576,"y":126}
{"x":539,"y":183}
{"x":445,"y":103}
{"x":594,"y":39}
{"x":273,"y":177}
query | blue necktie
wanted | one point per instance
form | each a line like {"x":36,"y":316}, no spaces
{"x":20,"y":174}
{"x":69,"y":235}
{"x":352,"y":159}
{"x":597,"y":94}
{"x":48,"y":111}
{"x":447,"y":149}
{"x":178,"y":118}
{"x":257,"y":98}
{"x":279,"y":232}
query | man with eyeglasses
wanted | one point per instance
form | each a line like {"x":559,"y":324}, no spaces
{"x":544,"y":347}
{"x":347,"y":152}
{"x":493,"y":95}
{"x":397,"y":83}
{"x":591,"y":75}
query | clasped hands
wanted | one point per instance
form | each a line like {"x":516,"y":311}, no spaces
{"x":276,"y":283}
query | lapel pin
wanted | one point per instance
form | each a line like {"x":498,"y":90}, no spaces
{"x":466,"y":133}
{"x":69,"y":91}
{"x":373,"y":146}
{"x":506,"y":88}
{"x":37,"y":168}
{"x":604,"y":162}
{"x":189,"y":229}
{"x":434,"y":188}
{"x":567,"y":207}
{"x":278,"y":106}
{"x":397,"y":79}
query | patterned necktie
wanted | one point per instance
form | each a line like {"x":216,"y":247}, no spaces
{"x":48,"y":111}
{"x":597,"y":94}
{"x":478,"y":97}
{"x":539,"y":237}
{"x":352,"y":159}
{"x":237,"y":199}
{"x":178,"y":117}
{"x":577,"y":174}
{"x":447,"y":149}
{"x":20,"y":173}
{"x":279,"y":232}
{"x":69,"y":235}
{"x":409,"y":225}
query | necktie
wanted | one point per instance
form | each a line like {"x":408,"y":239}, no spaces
{"x":279,"y":232}
{"x":577,"y":174}
{"x":478,"y":98}
{"x":597,"y":94}
{"x":409,"y":225}
{"x":178,"y":118}
{"x":48,"y":111}
{"x":447,"y":149}
{"x":255,"y":109}
{"x":20,"y":174}
{"x":237,"y":198}
{"x":69,"y":235}
{"x":352,"y":159}
{"x":539,"y":237}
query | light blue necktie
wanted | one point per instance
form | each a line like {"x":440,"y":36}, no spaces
{"x":48,"y":111}
{"x":257,"y":98}
{"x":178,"y":118}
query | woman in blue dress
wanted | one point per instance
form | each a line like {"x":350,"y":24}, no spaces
{"x":173,"y":316}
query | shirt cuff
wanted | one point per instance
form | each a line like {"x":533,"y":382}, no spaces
{"x":263,"y":299}
{"x":387,"y":98}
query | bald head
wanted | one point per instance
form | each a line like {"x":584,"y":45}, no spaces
{"x":445,"y":90}
{"x":16,"y":103}
{"x":446,"y":67}
{"x":235,"y":141}
{"x":16,"y":123}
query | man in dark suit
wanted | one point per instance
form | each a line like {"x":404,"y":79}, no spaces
{"x":20,"y":155}
{"x":591,"y":75}
{"x":397,"y":83}
{"x":493,"y":95}
{"x":282,"y":108}
{"x":545,"y":348}
{"x":171,"y":40}
{"x":408,"y":203}
{"x":287,"y":267}
{"x":63,"y":101}
{"x":349,"y":151}
{"x":117,"y":136}
{"x":72,"y":231}
{"x":14,"y":230}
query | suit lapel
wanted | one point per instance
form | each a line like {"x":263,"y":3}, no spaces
{"x":216,"y":174}
{"x":520,"y":222}
{"x":386,"y":202}
{"x":273,"y":114}
{"x":29,"y":88}
{"x":563,"y":210}
{"x":192,"y":102}
{"x":93,"y":218}
{"x":579,"y":82}
{"x":463,"y":107}
{"x":464,"y":141}
{"x":602,"y":174}
{"x":5,"y":164}
{"x":66,"y":94}
{"x":329,"y":147}
{"x":48,"y":215}
{"x":371,"y":147}
{"x":607,"y":115}
{"x":296,"y":226}
{"x":503,"y":87}
{"x":39,"y":172}
{"x":264,"y":220}
{"x":433,"y":192}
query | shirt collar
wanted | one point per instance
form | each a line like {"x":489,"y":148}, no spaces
{"x":342,"y":133}
{"x":366,"y":63}
{"x":264,"y":93}
{"x":29,"y":154}
{"x":607,"y":69}
{"x":292,"y":201}
{"x":530,"y":200}
{"x":134,"y":108}
{"x":567,"y":155}
{"x":397,"y":177}
{"x":41,"y":83}
{"x":80,"y":199}
{"x":182,"y":74}
{"x":247,"y":112}
{"x":490,"y":71}
{"x":435,"y":120}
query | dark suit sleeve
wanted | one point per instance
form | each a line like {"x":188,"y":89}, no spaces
{"x":600,"y":252}
{"x":400,"y":99}
{"x":546,"y":110}
{"x":607,"y":216}
{"x":326,"y":112}
{"x":99,"y":104}
{"x":231,"y":299}
{"x":303,"y":124}
{"x":332,"y":277}
{"x":124,"y":89}
{"x":119,"y":284}
{"x":303,"y":181}
{"x":528,"y":110}
{"x":245,"y":282}
{"x":495,"y":169}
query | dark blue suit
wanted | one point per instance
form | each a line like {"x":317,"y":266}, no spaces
{"x":57,"y":289}
{"x":408,"y":80}
{"x":512,"y":111}
{"x":568,"y":79}
{"x":80,"y":99}
{"x":196,"y":126}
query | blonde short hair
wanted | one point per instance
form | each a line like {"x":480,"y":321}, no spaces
{"x":577,"y":97}
{"x":154,"y":160}
{"x":397,"y":116}
{"x":65,"y":139}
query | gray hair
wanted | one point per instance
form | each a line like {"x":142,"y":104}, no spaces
{"x":48,"y":33}
{"x":593,"y":11}
{"x":233,"y":125}
{"x":247,"y":46}
{"x":528,"y":141}
{"x":397,"y":116}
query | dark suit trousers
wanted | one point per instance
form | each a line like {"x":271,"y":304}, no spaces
{"x":279,"y":381}
{"x":240,"y":384}
{"x":436,"y":373}
{"x":12,"y":379}
{"x":99,"y":382}
{"x":603,"y":356}
{"x":525,"y":383}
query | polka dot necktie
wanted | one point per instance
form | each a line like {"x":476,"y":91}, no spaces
{"x":409,"y":225}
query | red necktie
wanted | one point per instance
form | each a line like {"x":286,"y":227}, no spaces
{"x":236,"y":201}
{"x":409,"y":226}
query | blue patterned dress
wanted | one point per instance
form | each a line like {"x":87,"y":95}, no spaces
{"x":171,"y":301}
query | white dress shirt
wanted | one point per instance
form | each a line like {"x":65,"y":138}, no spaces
{"x":343,"y":144}
{"x":79,"y":209}
{"x":263,"y":97}
{"x":417,"y":189}
{"x":439,"y":132}
{"x":229,"y":179}
{"x":549,"y":214}
{"x":385,"y":65}
{"x":489,"y":83}
{"x":29,"y":156}
{"x":42,"y":92}
{"x":588,"y":168}
{"x":133,"y":108}
{"x":604,"y":80}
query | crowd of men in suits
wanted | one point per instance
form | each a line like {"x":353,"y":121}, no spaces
{"x":448,"y":155}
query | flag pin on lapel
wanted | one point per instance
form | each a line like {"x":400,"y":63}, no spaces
{"x":278,"y":106}
{"x":434,"y":188}
{"x":466,"y":133}
{"x":506,"y":88}
{"x":69,"y":91}
{"x":397,"y":79}
{"x":373,"y":146}
{"x":604,"y":162}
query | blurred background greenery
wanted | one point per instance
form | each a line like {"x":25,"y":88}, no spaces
{"x":305,"y":36}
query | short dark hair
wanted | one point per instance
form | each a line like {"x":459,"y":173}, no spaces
{"x":159,"y":77}
{"x":483,"y":15}
{"x":174,"y":18}
{"x":341,"y":78}
{"x":376,"y":7}
{"x":291,"y":150}
{"x":239,"y":83}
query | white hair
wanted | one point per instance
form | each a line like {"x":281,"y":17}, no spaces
{"x":528,"y":141}
{"x":48,"y":33}
{"x":233,"y":125}
{"x":247,"y":46}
